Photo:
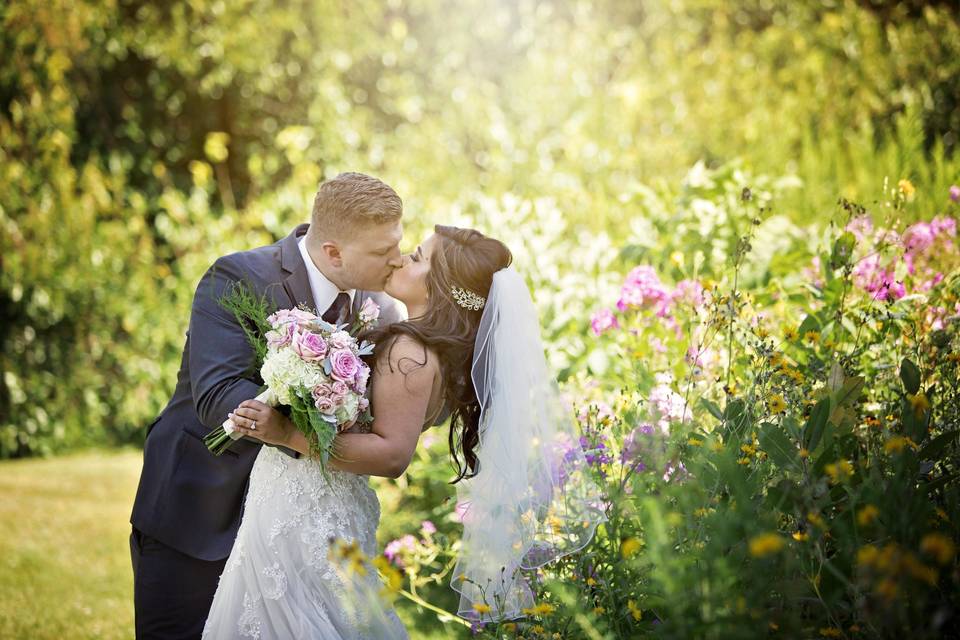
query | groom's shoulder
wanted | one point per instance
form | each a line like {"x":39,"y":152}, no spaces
{"x":258,"y":262}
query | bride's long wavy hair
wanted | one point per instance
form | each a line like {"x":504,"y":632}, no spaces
{"x":467,"y":259}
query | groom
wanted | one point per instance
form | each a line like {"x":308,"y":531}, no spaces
{"x":188,"y":505}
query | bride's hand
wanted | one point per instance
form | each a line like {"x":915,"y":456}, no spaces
{"x":263,"y":422}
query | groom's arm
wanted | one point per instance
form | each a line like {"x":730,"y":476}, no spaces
{"x":220,"y":355}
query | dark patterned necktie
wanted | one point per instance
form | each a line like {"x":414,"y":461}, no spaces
{"x":337,"y":313}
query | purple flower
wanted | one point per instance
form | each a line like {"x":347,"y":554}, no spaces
{"x":861,"y":227}
{"x":360,"y":381}
{"x":311,"y":347}
{"x":943,"y":225}
{"x":669,"y":405}
{"x":954,"y":193}
{"x":642,"y":441}
{"x":477,"y":627}
{"x":344,"y":365}
{"x":872,"y":278}
{"x":602,"y":321}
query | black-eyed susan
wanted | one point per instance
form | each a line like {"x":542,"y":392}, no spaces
{"x":939,"y":547}
{"x":630,"y":547}
{"x":776,"y":404}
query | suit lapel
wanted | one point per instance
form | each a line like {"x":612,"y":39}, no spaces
{"x":297,"y":283}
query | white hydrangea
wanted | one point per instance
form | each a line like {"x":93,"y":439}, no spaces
{"x":283,"y":371}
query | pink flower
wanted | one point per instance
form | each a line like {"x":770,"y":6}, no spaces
{"x":311,"y":347}
{"x":918,"y":237}
{"x":812,"y":273}
{"x":281,"y":337}
{"x":954,"y":192}
{"x":396,"y":548}
{"x":860,"y":227}
{"x":369,"y":312}
{"x":688,"y":292}
{"x":428,"y":527}
{"x":323,"y":398}
{"x":296,"y":317}
{"x":869,"y":276}
{"x":344,"y":365}
{"x":461,"y":512}
{"x":602,"y":321}
{"x":943,"y":225}
{"x":340,"y":390}
{"x":643,"y":288}
{"x":340,"y":340}
{"x":360,"y":381}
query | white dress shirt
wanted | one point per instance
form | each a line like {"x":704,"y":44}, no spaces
{"x":324,"y":292}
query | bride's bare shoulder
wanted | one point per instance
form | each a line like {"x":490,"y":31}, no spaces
{"x":406,"y":354}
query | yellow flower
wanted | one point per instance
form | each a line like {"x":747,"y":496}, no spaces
{"x":906,"y":187}
{"x":801,"y":536}
{"x":538,"y":628}
{"x":816,"y":520}
{"x":591,"y":582}
{"x":919,"y":570}
{"x":479,"y":607}
{"x":700,"y":512}
{"x":804,"y":453}
{"x":743,"y":461}
{"x":510,"y":626}
{"x":920,"y":404}
{"x":461,"y":577}
{"x":630,"y":547}
{"x":867,"y":515}
{"x":773,"y":626}
{"x":888,"y":588}
{"x":939,"y":546}
{"x":676,"y":258}
{"x":942,"y":514}
{"x":830,"y":632}
{"x":748,"y":449}
{"x":839,"y":471}
{"x":766,"y":544}
{"x":867,"y":555}
{"x":897,"y":443}
{"x":776,"y":404}
{"x":790,"y":334}
{"x":634,"y":610}
{"x":811,"y":336}
{"x":394,"y":578}
{"x":693,"y":442}
{"x":541,"y":609}
{"x":598,"y":610}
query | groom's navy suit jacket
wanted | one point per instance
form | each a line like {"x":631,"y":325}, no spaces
{"x":189,"y":499}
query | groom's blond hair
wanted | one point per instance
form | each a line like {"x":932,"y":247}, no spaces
{"x":350,"y":202}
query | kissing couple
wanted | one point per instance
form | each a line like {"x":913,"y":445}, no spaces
{"x":244,"y":545}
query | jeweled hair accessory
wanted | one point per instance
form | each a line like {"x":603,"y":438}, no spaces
{"x":467,"y":299}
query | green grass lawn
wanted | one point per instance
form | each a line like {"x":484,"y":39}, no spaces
{"x":64,"y":554}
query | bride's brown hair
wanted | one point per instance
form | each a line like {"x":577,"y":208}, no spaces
{"x":467,"y":259}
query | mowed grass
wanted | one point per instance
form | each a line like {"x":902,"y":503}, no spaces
{"x":65,"y":557}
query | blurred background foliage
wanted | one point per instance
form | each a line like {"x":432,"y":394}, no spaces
{"x":138,"y":141}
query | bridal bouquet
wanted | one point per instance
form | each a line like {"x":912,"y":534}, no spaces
{"x":308,"y":365}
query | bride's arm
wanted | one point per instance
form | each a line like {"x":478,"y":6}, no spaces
{"x":401,"y":391}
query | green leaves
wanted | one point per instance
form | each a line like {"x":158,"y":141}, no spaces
{"x":814,"y":428}
{"x":910,"y":374}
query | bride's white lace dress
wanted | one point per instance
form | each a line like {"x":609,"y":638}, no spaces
{"x":278,"y":581}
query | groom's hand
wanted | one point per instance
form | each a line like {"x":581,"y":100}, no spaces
{"x":261,"y":421}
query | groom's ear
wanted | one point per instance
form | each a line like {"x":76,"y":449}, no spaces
{"x":332,"y":252}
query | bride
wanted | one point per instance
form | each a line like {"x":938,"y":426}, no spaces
{"x":471,"y":346}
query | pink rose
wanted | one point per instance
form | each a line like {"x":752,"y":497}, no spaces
{"x":340,"y":389}
{"x":370,"y":311}
{"x":291,"y":316}
{"x":344,"y":364}
{"x":311,"y":347}
{"x":281,"y":337}
{"x":340,"y":340}
{"x":323,"y":398}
